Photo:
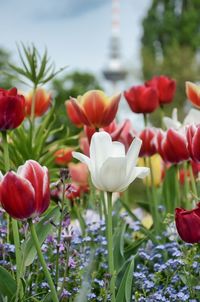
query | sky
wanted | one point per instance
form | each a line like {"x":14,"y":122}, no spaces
{"x":76,"y":32}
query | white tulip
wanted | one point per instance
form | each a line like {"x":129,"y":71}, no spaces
{"x":111,"y":169}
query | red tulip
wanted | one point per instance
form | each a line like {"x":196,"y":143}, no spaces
{"x":25,"y":194}
{"x":93,"y":109}
{"x":148,"y":147}
{"x":193,"y":93}
{"x":63,"y":156}
{"x":193,"y":139}
{"x":172,"y":146}
{"x":188,"y":224}
{"x":42,"y":102}
{"x":165,"y":87}
{"x":12,"y":109}
{"x":142,"y":99}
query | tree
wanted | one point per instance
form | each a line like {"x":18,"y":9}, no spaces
{"x":74,"y":84}
{"x":171,"y":43}
{"x":6,"y":80}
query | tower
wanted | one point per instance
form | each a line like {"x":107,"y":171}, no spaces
{"x":114,"y":70}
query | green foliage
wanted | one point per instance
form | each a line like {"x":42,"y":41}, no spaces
{"x":170,"y":44}
{"x":43,"y":229}
{"x":35,"y":67}
{"x":7,"y":285}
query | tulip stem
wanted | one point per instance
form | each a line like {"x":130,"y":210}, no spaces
{"x":154,"y":197}
{"x":14,"y":222}
{"x":177,"y":187}
{"x":110,"y":247}
{"x":32,"y":117}
{"x":59,"y":233}
{"x":42,"y":261}
{"x":194,"y":188}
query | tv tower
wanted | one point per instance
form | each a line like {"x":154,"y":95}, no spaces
{"x":115,"y":71}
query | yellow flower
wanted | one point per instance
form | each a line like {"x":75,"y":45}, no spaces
{"x":157,"y":169}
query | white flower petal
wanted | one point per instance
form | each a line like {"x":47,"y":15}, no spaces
{"x":139,"y":172}
{"x":100,"y":149}
{"x":118,"y":150}
{"x":112,"y":173}
{"x":83,"y":158}
{"x":132,"y":154}
{"x":193,"y":117}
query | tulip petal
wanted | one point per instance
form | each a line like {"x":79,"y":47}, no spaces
{"x":83,"y":158}
{"x":38,"y":177}
{"x":132,"y":154}
{"x":118,"y":149}
{"x":139,"y":172}
{"x":193,"y":117}
{"x":112,"y":174}
{"x":17,"y":196}
{"x":100,"y":149}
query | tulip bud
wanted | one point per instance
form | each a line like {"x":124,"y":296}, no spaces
{"x":63,"y":156}
{"x":93,"y":109}
{"x":148,"y":148}
{"x":193,"y":93}
{"x":12,"y":109}
{"x":193,"y":138}
{"x":165,"y":87}
{"x":173,"y":147}
{"x":25,"y":194}
{"x":42,"y":102}
{"x":142,"y":99}
{"x":188,"y":224}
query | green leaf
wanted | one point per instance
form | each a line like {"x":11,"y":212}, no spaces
{"x":8,"y":285}
{"x":118,"y":240}
{"x":125,"y":288}
{"x":43,"y":229}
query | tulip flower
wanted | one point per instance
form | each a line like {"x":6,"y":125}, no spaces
{"x":157,"y":167}
{"x":63,"y":156}
{"x":93,"y":109}
{"x":148,"y":148}
{"x":25,"y":194}
{"x":172,"y":146}
{"x":142,"y":99}
{"x":193,"y":93}
{"x":188,"y":224}
{"x":42,"y":102}
{"x":193,"y":117}
{"x":79,"y":174}
{"x":193,"y":138}
{"x":12,"y":109}
{"x":165,"y":87}
{"x":111,"y":169}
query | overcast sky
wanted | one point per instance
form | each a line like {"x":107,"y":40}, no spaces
{"x":76,"y":32}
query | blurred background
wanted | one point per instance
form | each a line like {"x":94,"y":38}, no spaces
{"x":106,"y":44}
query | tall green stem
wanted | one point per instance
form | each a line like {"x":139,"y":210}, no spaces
{"x":177,"y":186}
{"x":193,"y":183}
{"x":59,"y":233}
{"x":42,"y":261}
{"x":14,"y":222}
{"x":110,"y":247}
{"x":154,"y":198}
{"x":32,"y":117}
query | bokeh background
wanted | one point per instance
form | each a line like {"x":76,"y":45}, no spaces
{"x":155,"y":37}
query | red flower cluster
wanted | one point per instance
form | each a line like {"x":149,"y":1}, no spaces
{"x":176,"y":146}
{"x":146,"y":98}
